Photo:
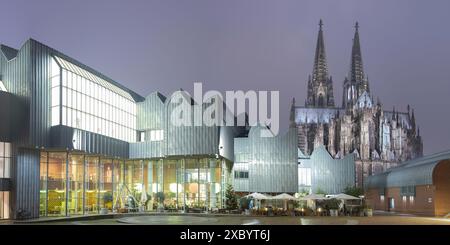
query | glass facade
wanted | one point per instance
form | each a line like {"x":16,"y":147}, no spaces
{"x":76,"y":184}
{"x":5,"y":172}
{"x":84,"y":101}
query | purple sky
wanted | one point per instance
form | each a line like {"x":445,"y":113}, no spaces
{"x":260,"y":45}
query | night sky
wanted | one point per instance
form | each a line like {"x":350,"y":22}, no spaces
{"x":259,"y":45}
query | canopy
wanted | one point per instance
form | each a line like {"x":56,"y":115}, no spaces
{"x":343,"y":196}
{"x":258,"y":196}
{"x":284,"y":196}
{"x":313,"y":197}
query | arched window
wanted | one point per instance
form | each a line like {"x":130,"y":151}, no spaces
{"x":321,"y":101}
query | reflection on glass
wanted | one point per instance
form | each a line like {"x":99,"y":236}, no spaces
{"x":91,"y":185}
{"x":56,"y":184}
{"x":76,"y":192}
{"x":43,"y":184}
{"x":191,"y":185}
{"x":170,"y":184}
{"x":106,"y":184}
{"x":75,"y":184}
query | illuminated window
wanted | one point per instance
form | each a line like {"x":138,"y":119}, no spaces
{"x":91,"y":103}
{"x":411,"y":199}
{"x":142,"y":136}
{"x":382,"y":198}
{"x":404,"y":199}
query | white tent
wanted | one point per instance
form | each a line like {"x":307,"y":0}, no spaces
{"x":284,"y":196}
{"x":343,"y":196}
{"x":313,"y":197}
{"x":258,"y":196}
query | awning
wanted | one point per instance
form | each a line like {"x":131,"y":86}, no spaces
{"x":258,"y":196}
{"x":314,"y":197}
{"x":284,"y":196}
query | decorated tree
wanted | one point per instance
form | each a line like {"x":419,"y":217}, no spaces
{"x":231,"y":199}
{"x":354,"y":191}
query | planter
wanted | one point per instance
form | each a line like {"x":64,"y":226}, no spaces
{"x":368,"y":212}
{"x":334,"y":212}
{"x":103,"y":211}
{"x":160,"y":208}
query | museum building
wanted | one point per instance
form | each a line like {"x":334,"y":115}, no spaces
{"x":75,"y":142}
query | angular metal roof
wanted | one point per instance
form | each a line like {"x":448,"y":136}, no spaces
{"x":88,"y":75}
{"x":10,"y":53}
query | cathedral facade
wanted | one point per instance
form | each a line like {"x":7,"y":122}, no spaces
{"x":378,"y":138}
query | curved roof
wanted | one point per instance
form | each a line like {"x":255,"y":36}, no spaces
{"x":415,"y":172}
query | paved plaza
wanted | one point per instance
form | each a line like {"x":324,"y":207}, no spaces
{"x":388,"y":219}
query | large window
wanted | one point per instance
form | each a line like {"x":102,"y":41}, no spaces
{"x":76,"y":184}
{"x":85,"y":101}
{"x":5,"y":172}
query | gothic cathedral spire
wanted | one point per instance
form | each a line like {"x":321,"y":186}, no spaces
{"x":356,"y":83}
{"x":320,"y":70}
{"x":320,"y":86}
{"x":356,"y":64}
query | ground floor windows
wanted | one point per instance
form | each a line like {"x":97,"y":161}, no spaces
{"x":76,"y":184}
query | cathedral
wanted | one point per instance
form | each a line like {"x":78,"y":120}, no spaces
{"x":378,"y":138}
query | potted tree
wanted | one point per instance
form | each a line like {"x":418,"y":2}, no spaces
{"x":368,"y":211}
{"x":107,"y":198}
{"x":333,"y":206}
{"x":160,"y":200}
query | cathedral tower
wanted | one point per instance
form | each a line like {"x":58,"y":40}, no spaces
{"x":320,"y":85}
{"x":356,"y":84}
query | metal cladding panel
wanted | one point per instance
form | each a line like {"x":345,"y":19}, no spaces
{"x":156,"y":113}
{"x":26,"y":182}
{"x":148,"y":149}
{"x":16,"y":76}
{"x":40,"y":89}
{"x":376,"y":181}
{"x":226,"y":142}
{"x":411,"y":176}
{"x":411,"y":173}
{"x":27,"y":76}
{"x":5,"y":111}
{"x":273,"y":162}
{"x":151,"y":112}
{"x":80,"y":140}
{"x":189,"y":140}
{"x":330,"y":175}
{"x":240,"y":185}
{"x":241,"y":145}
